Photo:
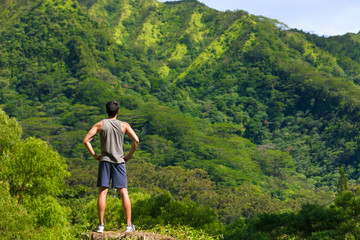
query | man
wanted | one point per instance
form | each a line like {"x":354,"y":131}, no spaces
{"x":112,"y":160}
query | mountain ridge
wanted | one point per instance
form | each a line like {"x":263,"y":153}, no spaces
{"x":262,"y":110}
{"x":241,"y":51}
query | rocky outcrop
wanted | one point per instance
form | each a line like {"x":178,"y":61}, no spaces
{"x":124,"y":235}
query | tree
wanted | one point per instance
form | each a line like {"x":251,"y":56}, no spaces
{"x":342,"y":183}
{"x":31,"y":176}
{"x":10,"y":131}
{"x":33,"y":169}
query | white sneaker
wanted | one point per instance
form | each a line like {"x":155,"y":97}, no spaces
{"x":99,"y":228}
{"x":130,"y":228}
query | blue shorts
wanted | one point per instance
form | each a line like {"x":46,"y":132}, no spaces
{"x":116,"y":172}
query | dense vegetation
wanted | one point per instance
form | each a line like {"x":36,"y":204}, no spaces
{"x":244,"y":124}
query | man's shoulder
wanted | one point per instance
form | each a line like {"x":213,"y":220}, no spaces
{"x":98,"y":124}
{"x":125,"y":124}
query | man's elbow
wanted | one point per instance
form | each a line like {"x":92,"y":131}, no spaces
{"x":136,"y":142}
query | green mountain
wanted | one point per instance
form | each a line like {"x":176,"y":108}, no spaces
{"x":248,"y":115}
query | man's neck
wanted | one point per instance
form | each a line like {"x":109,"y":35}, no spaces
{"x":112,"y":118}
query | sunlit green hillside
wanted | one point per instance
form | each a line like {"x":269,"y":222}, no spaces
{"x":237,"y":114}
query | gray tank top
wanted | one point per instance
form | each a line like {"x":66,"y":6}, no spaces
{"x":112,"y":141}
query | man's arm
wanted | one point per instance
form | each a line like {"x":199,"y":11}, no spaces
{"x":135,"y":140}
{"x":90,"y":136}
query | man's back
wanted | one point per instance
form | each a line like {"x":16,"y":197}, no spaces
{"x":112,"y":141}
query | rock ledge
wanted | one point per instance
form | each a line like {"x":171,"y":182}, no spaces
{"x":124,"y":235}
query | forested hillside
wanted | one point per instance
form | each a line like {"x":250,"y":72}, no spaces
{"x":237,"y":114}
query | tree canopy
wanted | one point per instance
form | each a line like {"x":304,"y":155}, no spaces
{"x":241,"y":120}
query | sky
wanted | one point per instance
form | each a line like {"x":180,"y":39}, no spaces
{"x":321,"y":17}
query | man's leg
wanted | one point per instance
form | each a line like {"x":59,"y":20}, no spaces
{"x":126,"y":204}
{"x":102,"y":203}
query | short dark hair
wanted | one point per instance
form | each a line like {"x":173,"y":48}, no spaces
{"x":112,"y":108}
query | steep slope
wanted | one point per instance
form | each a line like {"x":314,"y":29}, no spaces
{"x":235,"y":67}
{"x":345,"y":48}
{"x":246,"y":99}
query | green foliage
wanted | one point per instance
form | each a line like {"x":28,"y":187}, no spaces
{"x":342,"y":183}
{"x":311,"y":222}
{"x":10,"y":132}
{"x":183,"y":232}
{"x":97,"y":94}
{"x":33,"y":169}
{"x":48,"y":212}
{"x":114,"y":217}
{"x":32,"y":174}
{"x":246,"y":76}
{"x":16,"y":222}
{"x":41,"y":218}
{"x":163,"y":209}
{"x":274,"y":162}
{"x":150,"y":211}
{"x":237,"y":115}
